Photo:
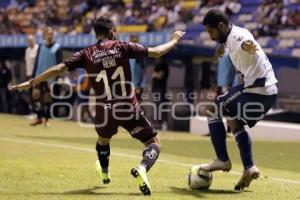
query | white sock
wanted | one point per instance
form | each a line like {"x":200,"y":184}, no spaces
{"x":142,"y":167}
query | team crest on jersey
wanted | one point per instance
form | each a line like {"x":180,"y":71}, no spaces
{"x":240,"y":38}
{"x":152,"y":154}
{"x":99,"y":55}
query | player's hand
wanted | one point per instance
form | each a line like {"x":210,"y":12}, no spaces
{"x":23,"y":86}
{"x":177,"y":35}
{"x":249,"y":46}
{"x":220,"y":51}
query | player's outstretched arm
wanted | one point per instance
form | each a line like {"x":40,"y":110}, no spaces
{"x":158,"y":51}
{"x":50,"y":73}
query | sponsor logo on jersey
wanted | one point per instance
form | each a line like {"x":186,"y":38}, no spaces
{"x":136,"y":130}
{"x":232,"y":97}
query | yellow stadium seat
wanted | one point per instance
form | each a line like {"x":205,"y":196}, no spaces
{"x":132,"y":28}
{"x":189,"y":4}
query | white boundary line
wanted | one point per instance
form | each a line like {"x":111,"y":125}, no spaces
{"x":129,"y":156}
{"x":265,"y":123}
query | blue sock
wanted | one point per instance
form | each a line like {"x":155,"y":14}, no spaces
{"x":218,"y":138}
{"x":244,"y":143}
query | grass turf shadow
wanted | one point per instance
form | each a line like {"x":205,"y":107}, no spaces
{"x":202,"y":193}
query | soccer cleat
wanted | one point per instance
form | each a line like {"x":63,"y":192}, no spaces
{"x":141,"y":177}
{"x":46,"y":123}
{"x":36,"y":122}
{"x":105,"y":176}
{"x":216,"y":165}
{"x":246,"y":178}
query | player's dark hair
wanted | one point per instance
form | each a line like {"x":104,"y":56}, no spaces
{"x":214,"y":17}
{"x":103,"y":25}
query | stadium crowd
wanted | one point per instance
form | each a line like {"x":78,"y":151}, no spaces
{"x":74,"y":17}
{"x":274,"y":15}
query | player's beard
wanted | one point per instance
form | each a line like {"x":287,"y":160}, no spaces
{"x":222,"y":38}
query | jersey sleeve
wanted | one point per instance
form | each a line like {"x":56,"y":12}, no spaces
{"x":76,"y":61}
{"x":135,"y":50}
{"x":239,"y":38}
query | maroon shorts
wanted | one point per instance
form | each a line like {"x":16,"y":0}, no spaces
{"x":110,"y":116}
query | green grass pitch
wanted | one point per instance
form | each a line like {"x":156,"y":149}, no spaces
{"x":58,"y":163}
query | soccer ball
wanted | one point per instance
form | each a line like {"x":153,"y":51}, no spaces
{"x":199,"y":179}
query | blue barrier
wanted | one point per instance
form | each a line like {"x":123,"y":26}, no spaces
{"x":149,"y":38}
{"x":82,"y":40}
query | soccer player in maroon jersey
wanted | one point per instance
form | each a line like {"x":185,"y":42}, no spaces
{"x":107,"y":63}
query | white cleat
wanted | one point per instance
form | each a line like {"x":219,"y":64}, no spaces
{"x":246,"y":178}
{"x":216,"y":165}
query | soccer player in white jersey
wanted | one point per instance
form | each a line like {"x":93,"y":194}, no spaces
{"x":244,"y":104}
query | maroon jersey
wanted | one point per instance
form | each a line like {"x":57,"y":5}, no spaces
{"x":107,"y":63}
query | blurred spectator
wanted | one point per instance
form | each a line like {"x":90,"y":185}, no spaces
{"x":159,"y":87}
{"x":270,"y":18}
{"x":231,"y":7}
{"x":5,"y":78}
{"x":210,"y":3}
{"x":63,"y":91}
{"x":80,"y":80}
{"x":173,"y":13}
{"x":30,"y":56}
{"x":77,"y":16}
{"x":293,"y":19}
{"x":189,"y":79}
{"x":137,"y":70}
{"x":48,"y":54}
{"x":263,"y":10}
{"x":19,"y":104}
{"x":42,"y":100}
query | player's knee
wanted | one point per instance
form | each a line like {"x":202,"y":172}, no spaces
{"x":103,"y":141}
{"x":235,"y":125}
{"x":155,"y":141}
